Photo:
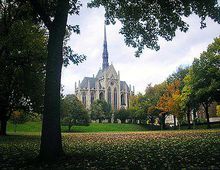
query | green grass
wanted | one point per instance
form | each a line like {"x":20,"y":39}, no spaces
{"x":195,"y":149}
{"x":96,"y":127}
{"x":93,"y":127}
{"x":108,"y":127}
{"x":26,"y":127}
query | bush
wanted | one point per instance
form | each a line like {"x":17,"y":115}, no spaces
{"x":18,"y":117}
{"x":101,"y":110}
{"x":122,"y":114}
{"x":73,"y":112}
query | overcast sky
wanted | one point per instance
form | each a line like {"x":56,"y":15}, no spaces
{"x":152,"y":67}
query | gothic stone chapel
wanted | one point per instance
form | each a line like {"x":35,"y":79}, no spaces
{"x":106,"y":85}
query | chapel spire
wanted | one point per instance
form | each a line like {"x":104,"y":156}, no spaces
{"x":105,"y":63}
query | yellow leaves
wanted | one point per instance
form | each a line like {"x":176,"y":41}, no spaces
{"x":16,"y":114}
{"x":170,"y":100}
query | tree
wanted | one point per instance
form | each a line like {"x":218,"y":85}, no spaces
{"x":122,"y":114}
{"x":188,"y":100}
{"x":206,"y":76}
{"x":54,"y":16}
{"x":73,"y":111}
{"x":169,"y":102}
{"x":18,"y":117}
{"x":138,"y":108}
{"x":183,"y":98}
{"x":100,"y":110}
{"x":22,"y":59}
{"x":180,"y":74}
{"x":153,"y":94}
{"x":143,"y":22}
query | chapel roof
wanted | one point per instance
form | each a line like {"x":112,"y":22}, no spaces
{"x":100,"y":74}
{"x":123,"y":85}
{"x":86,"y":80}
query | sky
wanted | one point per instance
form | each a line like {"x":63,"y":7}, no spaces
{"x":152,"y":67}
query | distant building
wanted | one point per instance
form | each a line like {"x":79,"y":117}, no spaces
{"x":106,"y":85}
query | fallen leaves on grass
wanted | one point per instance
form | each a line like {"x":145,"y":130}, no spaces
{"x":139,"y":150}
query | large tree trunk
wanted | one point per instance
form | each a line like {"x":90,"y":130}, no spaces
{"x":162,"y":121}
{"x":69,"y":127}
{"x":100,"y":120}
{"x":4,"y":119}
{"x":206,"y":107}
{"x":3,"y":127}
{"x":51,"y":142}
{"x":188,"y":117}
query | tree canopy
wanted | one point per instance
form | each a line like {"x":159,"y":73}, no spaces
{"x":73,"y":111}
{"x":100,"y":110}
{"x":22,"y":59}
{"x":144,"y":22}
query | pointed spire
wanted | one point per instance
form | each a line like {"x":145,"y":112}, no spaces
{"x":105,"y":63}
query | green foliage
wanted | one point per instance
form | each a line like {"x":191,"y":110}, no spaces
{"x":68,"y":54}
{"x":170,"y":149}
{"x":198,"y":84}
{"x":73,"y":112}
{"x":22,"y":59}
{"x":180,"y":74}
{"x":23,"y":70}
{"x":122,"y":114}
{"x":144,"y":22}
{"x":34,"y":117}
{"x":206,"y":74}
{"x":19,"y":117}
{"x":138,"y":107}
{"x":205,"y":82}
{"x":100,"y":110}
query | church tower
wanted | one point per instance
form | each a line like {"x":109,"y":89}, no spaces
{"x":105,"y":63}
{"x":106,"y":85}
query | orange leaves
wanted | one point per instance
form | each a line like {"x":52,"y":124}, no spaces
{"x":169,"y":101}
{"x":16,"y":114}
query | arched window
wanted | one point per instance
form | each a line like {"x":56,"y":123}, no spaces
{"x":84,"y":98}
{"x":115,"y":99}
{"x":101,"y":96}
{"x":122,"y":99}
{"x":109,"y":96}
{"x":92,"y":98}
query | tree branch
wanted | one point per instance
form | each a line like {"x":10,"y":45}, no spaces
{"x":39,"y":8}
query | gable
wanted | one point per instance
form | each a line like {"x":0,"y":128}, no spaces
{"x":111,"y":73}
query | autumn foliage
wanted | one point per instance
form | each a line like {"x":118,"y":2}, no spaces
{"x":169,"y":102}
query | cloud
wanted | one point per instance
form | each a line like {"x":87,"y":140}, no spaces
{"x":152,"y":67}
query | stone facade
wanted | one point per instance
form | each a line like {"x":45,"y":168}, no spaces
{"x":106,"y":85}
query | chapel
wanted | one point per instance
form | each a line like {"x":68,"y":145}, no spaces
{"x":106,"y":85}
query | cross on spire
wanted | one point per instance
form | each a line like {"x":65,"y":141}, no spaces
{"x":105,"y":63}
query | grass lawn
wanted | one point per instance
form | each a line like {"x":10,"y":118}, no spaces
{"x":107,"y":127}
{"x":93,"y":127}
{"x":96,"y":127}
{"x":195,"y":149}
